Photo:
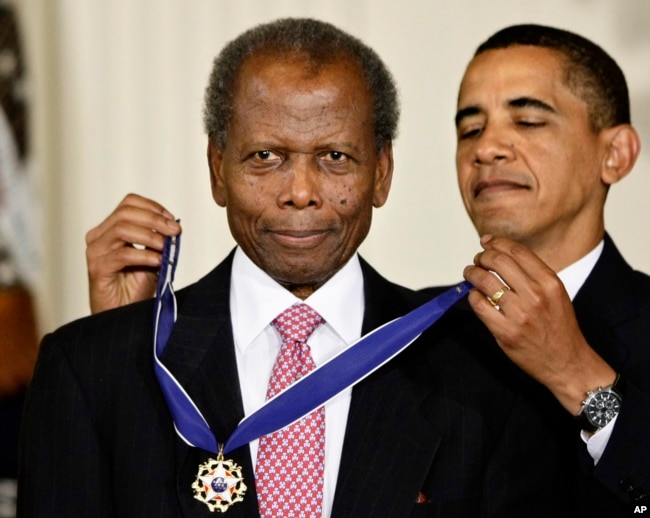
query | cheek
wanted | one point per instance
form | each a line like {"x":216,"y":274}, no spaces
{"x":461,"y":163}
{"x":344,"y":197}
{"x":554,"y":172}
{"x":463,"y":179}
{"x":350,"y":199}
{"x":249,"y":195}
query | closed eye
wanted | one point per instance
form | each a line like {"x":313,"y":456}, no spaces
{"x":469,"y":132}
{"x":531,"y":124}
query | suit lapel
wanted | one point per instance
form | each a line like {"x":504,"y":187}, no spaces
{"x":605,"y":303}
{"x":389,"y":445}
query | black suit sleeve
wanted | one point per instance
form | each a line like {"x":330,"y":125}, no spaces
{"x":625,"y":464}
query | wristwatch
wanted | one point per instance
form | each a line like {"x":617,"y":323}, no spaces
{"x":600,"y":407}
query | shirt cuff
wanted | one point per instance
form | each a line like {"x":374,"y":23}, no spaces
{"x":597,"y":442}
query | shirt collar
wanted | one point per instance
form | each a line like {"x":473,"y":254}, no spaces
{"x":575,"y":275}
{"x":256,"y":299}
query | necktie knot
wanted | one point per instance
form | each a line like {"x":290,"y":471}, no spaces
{"x":297,"y":323}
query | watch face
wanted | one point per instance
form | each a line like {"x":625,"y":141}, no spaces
{"x":602,"y":408}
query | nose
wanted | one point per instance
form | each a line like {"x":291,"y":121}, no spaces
{"x":493,"y":144}
{"x":301,"y":188}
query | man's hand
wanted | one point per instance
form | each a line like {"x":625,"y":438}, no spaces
{"x":124,"y":252}
{"x":534,"y":321}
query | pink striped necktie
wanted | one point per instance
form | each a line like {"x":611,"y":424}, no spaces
{"x":290,"y":461}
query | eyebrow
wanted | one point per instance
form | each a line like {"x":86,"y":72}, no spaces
{"x":530,"y":102}
{"x":519,"y":102}
{"x":466,"y":112}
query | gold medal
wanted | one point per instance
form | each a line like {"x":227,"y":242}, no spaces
{"x":219,"y":484}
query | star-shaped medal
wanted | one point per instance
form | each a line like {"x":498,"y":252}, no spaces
{"x":219,"y":484}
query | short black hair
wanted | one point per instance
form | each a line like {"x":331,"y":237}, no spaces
{"x":320,"y":42}
{"x":591,"y":73}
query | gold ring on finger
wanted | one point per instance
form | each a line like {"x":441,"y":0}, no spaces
{"x":494,"y":299}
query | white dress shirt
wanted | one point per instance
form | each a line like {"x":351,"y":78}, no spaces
{"x":573,"y":277}
{"x":255,"y":300}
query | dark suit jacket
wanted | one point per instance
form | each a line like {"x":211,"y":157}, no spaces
{"x":613,"y":310}
{"x":434,"y":424}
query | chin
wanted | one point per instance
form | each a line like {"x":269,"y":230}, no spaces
{"x":293,"y":274}
{"x":507,"y":228}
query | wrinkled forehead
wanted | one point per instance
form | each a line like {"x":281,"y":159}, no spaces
{"x":297,"y":74}
{"x":284,"y":100}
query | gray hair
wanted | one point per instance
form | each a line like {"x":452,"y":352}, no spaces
{"x":321,"y":43}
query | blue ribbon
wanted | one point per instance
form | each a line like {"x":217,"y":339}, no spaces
{"x":190,"y":424}
{"x":347,"y":368}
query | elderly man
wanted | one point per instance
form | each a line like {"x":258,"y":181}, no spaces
{"x":300,"y":118}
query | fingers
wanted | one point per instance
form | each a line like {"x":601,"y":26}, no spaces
{"x":136,"y":220}
{"x":516,"y":266}
{"x":509,"y":278}
{"x":509,"y":258}
{"x":532,"y":295}
{"x":490,"y":299}
{"x":124,"y":252}
{"x":109,"y":265}
{"x":485,"y":281}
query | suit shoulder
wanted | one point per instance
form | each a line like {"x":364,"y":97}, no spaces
{"x":132,"y":321}
{"x":105,"y":342}
{"x":102,"y":325}
{"x":642,"y":281}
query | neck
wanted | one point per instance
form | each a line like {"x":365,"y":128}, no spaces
{"x":560,"y":253}
{"x":302,"y":291}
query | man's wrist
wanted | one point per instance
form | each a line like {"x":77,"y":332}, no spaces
{"x":600,"y":406}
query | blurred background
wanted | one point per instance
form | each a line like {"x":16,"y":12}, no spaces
{"x":109,"y":95}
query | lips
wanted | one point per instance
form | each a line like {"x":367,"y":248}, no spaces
{"x":303,"y":238}
{"x":298,"y":233}
{"x":496,"y":186}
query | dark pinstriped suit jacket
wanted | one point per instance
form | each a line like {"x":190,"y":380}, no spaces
{"x":613,"y":310}
{"x":434,"y":424}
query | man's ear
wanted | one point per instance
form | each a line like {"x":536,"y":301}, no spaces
{"x":623,"y":147}
{"x":383,"y":175}
{"x":215,"y":161}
